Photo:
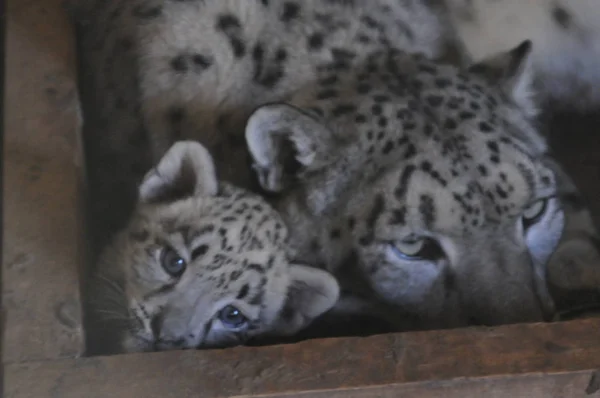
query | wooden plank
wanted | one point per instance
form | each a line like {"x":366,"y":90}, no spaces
{"x":534,"y":360}
{"x":42,"y":180}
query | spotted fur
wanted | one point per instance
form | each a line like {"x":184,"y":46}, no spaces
{"x":372,"y":137}
{"x":565,"y":36}
{"x":233,"y":247}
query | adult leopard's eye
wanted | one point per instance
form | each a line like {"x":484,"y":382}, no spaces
{"x":232,"y":318}
{"x":417,"y":249}
{"x":172,"y":263}
{"x":534,"y":212}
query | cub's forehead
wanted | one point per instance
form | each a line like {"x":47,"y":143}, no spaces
{"x":248,"y":215}
{"x":237,"y":218}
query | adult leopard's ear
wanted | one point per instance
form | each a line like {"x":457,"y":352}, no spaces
{"x":512,"y":71}
{"x":187,"y":169}
{"x":311,"y":293}
{"x":284,"y":141}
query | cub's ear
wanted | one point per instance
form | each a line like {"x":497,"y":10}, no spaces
{"x":284,"y":141}
{"x":311,"y":293}
{"x":186,"y":169}
{"x":512,"y":71}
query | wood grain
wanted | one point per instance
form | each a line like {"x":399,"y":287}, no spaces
{"x":538,"y":360}
{"x":42,"y":186}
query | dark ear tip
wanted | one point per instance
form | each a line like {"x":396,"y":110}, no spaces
{"x":524,"y":48}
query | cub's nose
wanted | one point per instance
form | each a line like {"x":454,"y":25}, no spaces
{"x":167,"y":339}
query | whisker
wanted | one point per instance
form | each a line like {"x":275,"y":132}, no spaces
{"x":107,"y":301}
{"x":112,"y":284}
{"x":106,"y":314}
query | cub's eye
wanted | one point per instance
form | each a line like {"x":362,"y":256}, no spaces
{"x":232,"y":318}
{"x":534,"y":212}
{"x":417,"y":249}
{"x":172,"y":262}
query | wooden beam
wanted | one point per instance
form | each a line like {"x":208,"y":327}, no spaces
{"x":43,"y":233}
{"x":533,"y":360}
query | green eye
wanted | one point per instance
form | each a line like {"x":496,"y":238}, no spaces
{"x":417,"y":249}
{"x":410,"y":248}
{"x":534,"y":212}
{"x":172,"y":263}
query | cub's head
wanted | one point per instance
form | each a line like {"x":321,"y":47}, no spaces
{"x":428,"y":183}
{"x":203,"y":264}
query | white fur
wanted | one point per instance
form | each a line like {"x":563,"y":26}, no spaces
{"x":567,"y":60}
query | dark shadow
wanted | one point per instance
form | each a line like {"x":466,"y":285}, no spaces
{"x":2,"y":93}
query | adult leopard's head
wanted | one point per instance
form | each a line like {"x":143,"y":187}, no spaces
{"x":426,"y":182}
{"x":202,"y":264}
